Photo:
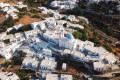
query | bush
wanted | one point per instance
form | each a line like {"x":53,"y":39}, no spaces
{"x":85,"y":37}
{"x":75,"y":11}
{"x":63,"y":18}
{"x":22,"y":29}
{"x":6,"y":64}
{"x":23,"y":9}
{"x":36,"y":16}
{"x":7,"y":41}
{"x":33,"y":11}
{"x":17,"y":61}
{"x":108,"y":48}
{"x":77,"y":35}
{"x":118,"y":45}
{"x":81,"y":23}
{"x":22,"y":73}
{"x":20,"y":15}
{"x":9,"y":23}
{"x":65,"y":25}
{"x":21,"y":53}
{"x":29,"y":2}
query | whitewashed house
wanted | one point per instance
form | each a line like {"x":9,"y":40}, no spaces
{"x":99,"y":66}
{"x":85,"y":20}
{"x":64,"y":66}
{"x":54,"y":4}
{"x":7,"y":51}
{"x":34,"y":25}
{"x":71,"y":17}
{"x":2,"y":5}
{"x":76,"y":25}
{"x":8,"y":76}
{"x":48,"y":65}
{"x":2,"y":44}
{"x":10,"y":29}
{"x":47,"y":52}
{"x":30,"y":63}
{"x":17,"y":27}
{"x":20,"y":5}
{"x":41,"y":25}
{"x":59,"y":77}
{"x":111,"y":59}
{"x":44,"y":10}
{"x":51,"y":36}
{"x":13,"y":15}
{"x":28,"y":34}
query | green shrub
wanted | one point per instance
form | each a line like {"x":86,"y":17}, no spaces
{"x":9,"y":23}
{"x":6,"y":64}
{"x":108,"y":48}
{"x":20,"y":15}
{"x":36,"y":16}
{"x":23,"y":9}
{"x":77,"y":35}
{"x":33,"y":11}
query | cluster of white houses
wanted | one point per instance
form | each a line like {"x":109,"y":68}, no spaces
{"x":8,"y":76}
{"x":11,"y":10}
{"x":64,"y":4}
{"x":53,"y":31}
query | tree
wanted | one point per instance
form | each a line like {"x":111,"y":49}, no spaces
{"x":77,"y":35}
{"x":20,"y":15}
{"x":33,"y":11}
{"x":23,"y":9}
{"x":65,"y":25}
{"x":17,"y":61}
{"x":108,"y":48}
{"x":85,"y":37}
{"x":29,"y":3}
{"x":36,"y":16}
{"x":9,"y":23}
{"x":6,"y":64}
{"x":75,"y":11}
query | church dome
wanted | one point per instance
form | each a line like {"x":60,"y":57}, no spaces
{"x":70,"y":36}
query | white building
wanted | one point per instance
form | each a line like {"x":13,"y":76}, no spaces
{"x":12,"y":15}
{"x":76,"y":25}
{"x":47,"y":52}
{"x":64,"y":4}
{"x":83,"y":19}
{"x":59,"y":77}
{"x":30,"y":63}
{"x":44,"y":10}
{"x":7,"y":51}
{"x":71,"y":18}
{"x":64,"y":66}
{"x":48,"y":64}
{"x":8,"y":76}
{"x":111,"y":59}
{"x":20,"y":5}
{"x":2,"y":5}
{"x":54,"y":4}
{"x":51,"y":36}
{"x":28,"y":34}
{"x":99,"y":66}
{"x":67,"y":42}
{"x":34,"y":25}
{"x":17,"y":27}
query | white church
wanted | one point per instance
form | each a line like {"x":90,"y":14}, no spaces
{"x":67,"y":42}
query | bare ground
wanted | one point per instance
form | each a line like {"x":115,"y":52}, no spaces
{"x":25,"y":20}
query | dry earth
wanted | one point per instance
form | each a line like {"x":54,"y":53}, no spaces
{"x":25,"y":20}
